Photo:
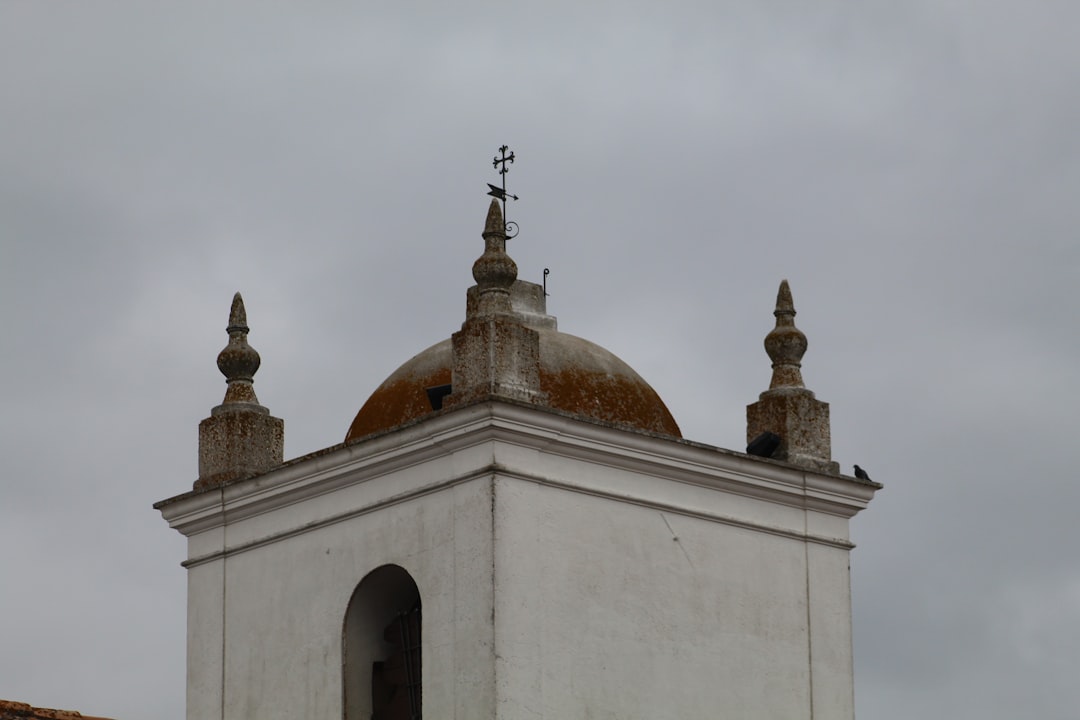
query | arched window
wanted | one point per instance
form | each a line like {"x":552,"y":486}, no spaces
{"x":381,"y":655}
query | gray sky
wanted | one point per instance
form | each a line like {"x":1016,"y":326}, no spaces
{"x":911,"y":167}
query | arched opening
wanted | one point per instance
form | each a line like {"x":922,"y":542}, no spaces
{"x":382,"y":648}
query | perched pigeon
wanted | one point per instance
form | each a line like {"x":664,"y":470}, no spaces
{"x":861,"y":474}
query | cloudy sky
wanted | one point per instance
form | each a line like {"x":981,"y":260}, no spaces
{"x":911,"y":167}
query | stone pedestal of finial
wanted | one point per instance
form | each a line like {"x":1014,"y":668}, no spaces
{"x":494,"y":353}
{"x":240,"y":438}
{"x":788,"y":408}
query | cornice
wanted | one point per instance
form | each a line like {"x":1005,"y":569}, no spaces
{"x":514,"y":425}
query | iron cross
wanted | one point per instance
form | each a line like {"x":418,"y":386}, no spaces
{"x":503,"y":160}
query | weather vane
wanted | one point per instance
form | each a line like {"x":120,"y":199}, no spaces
{"x":500,"y":193}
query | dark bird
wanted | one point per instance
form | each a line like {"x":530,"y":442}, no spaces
{"x":861,"y":474}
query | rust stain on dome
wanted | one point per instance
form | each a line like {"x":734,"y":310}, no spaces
{"x":579,"y":377}
{"x":403,"y":396}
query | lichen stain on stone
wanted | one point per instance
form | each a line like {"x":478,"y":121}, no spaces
{"x":10,"y":710}
{"x":610,"y":398}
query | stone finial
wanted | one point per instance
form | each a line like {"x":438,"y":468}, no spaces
{"x":239,"y":362}
{"x":785,"y":344}
{"x":494,"y":271}
{"x":495,"y":353}
{"x":788,"y":408}
{"x":240,"y":438}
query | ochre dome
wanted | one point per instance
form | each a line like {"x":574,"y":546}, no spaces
{"x":578,"y":377}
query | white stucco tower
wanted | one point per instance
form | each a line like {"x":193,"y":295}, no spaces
{"x":514,"y":528}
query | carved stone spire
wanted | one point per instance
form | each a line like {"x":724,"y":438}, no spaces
{"x":786,"y":344}
{"x":240,"y":438}
{"x":788,"y":408}
{"x":239,"y":362}
{"x":494,"y":353}
{"x":494,"y":271}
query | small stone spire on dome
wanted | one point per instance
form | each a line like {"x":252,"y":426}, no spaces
{"x":495,"y":354}
{"x":788,"y":408}
{"x":240,"y":438}
{"x":494,"y":271}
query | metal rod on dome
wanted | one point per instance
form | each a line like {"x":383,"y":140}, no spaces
{"x":500,"y":193}
{"x":547,"y":271}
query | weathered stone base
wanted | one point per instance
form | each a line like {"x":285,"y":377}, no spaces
{"x":238,"y":441}
{"x":495,"y":355}
{"x":801,"y":421}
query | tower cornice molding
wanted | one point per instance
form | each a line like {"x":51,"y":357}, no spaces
{"x":499,"y":438}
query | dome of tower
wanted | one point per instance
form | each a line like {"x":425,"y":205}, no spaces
{"x":577,"y":377}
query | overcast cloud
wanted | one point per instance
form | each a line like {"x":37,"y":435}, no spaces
{"x":911,"y":167}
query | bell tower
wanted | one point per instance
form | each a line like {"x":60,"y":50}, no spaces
{"x":515,"y":527}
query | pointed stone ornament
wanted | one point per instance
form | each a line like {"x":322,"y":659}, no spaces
{"x":494,"y":271}
{"x":788,"y":408}
{"x":240,"y":438}
{"x":785,"y":344}
{"x":494,"y":354}
{"x":239,"y":362}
